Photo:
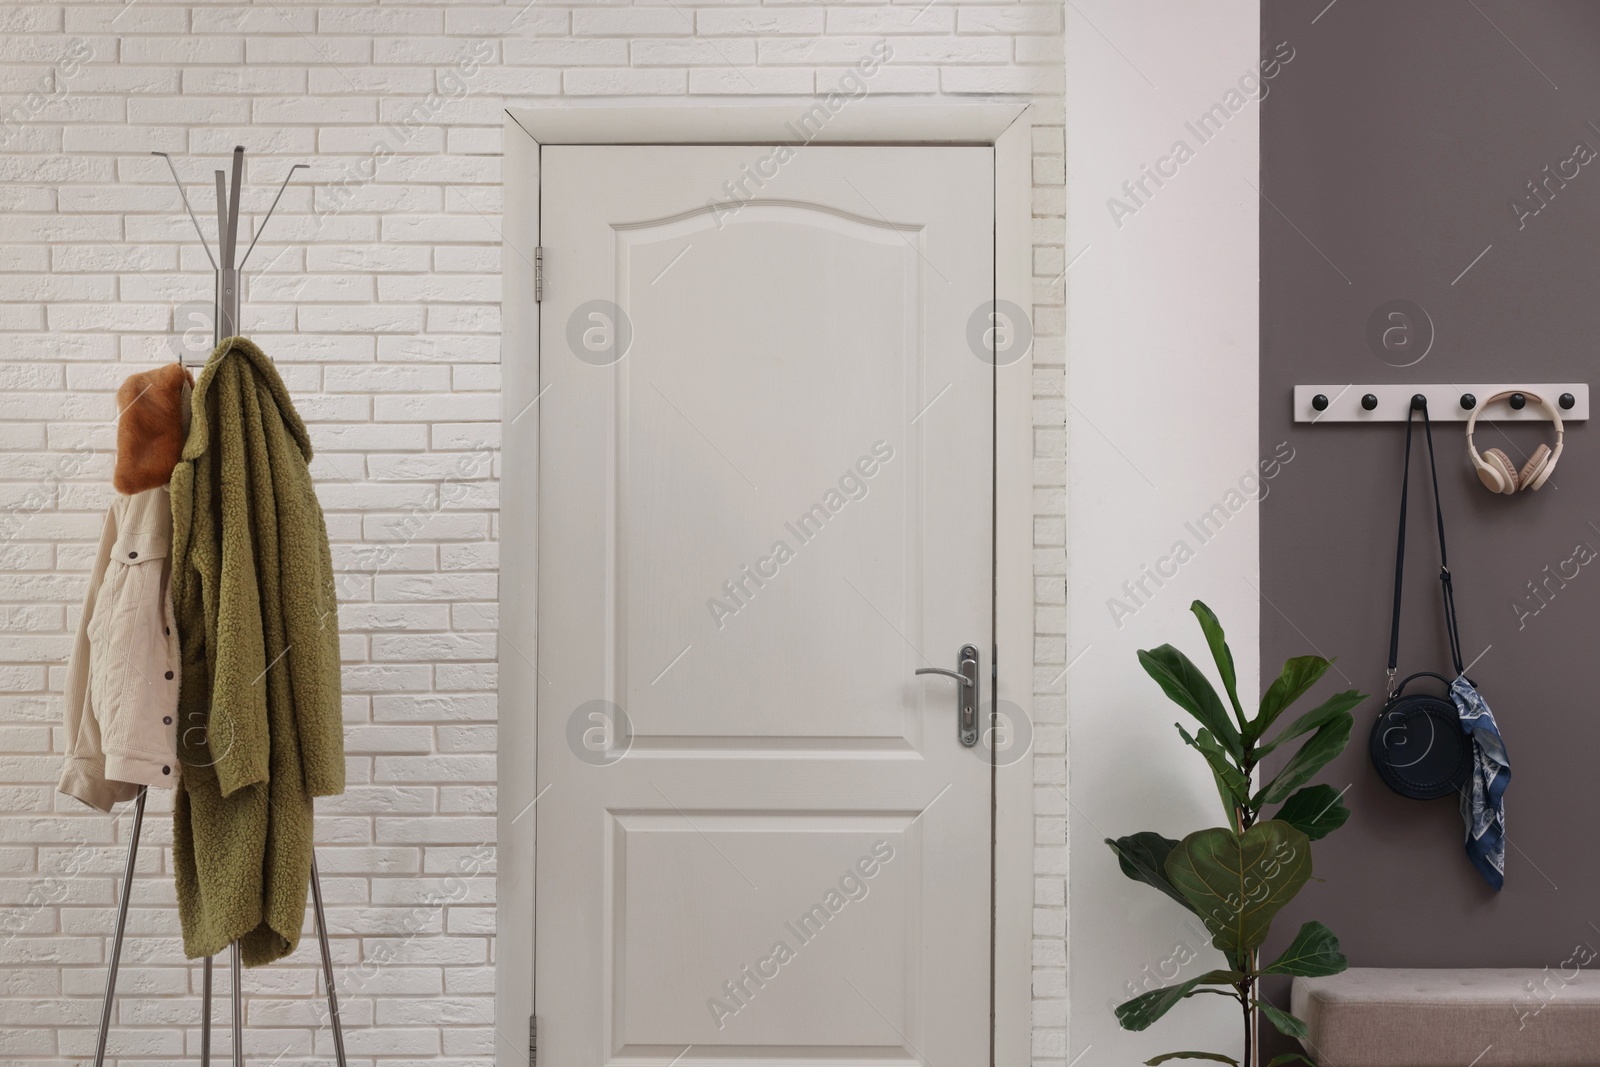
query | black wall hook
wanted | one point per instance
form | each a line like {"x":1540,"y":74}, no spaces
{"x":1567,"y":401}
{"x":1468,"y":401}
{"x":1369,"y":401}
{"x":1419,"y":402}
{"x":1518,"y":401}
{"x":1320,"y":401}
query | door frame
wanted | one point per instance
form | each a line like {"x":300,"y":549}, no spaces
{"x":997,"y":121}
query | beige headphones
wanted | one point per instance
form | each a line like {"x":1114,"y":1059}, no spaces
{"x":1495,"y":469}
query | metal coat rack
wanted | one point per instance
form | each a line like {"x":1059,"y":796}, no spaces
{"x":225,"y":324}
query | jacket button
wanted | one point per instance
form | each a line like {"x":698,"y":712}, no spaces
{"x":133,"y":555}
{"x":169,"y":676}
{"x":166,"y":770}
{"x":166,"y":720}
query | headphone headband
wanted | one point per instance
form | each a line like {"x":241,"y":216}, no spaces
{"x":1555,"y":417}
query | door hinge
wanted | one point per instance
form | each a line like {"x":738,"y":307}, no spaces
{"x":533,"y":1040}
{"x":538,"y":274}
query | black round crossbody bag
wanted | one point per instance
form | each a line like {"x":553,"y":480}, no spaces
{"x":1417,"y":744}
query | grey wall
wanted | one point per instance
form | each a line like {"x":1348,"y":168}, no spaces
{"x":1390,"y":148}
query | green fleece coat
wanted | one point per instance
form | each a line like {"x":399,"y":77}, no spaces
{"x":259,"y":729}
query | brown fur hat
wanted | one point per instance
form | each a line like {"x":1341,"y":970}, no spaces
{"x":151,"y":428}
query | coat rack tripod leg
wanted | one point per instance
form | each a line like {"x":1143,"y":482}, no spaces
{"x":327,"y":962}
{"x":122,"y":923}
{"x":238,"y":1023}
{"x":205,"y":1019}
{"x":238,"y":1010}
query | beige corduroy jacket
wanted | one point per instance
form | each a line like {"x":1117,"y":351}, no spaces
{"x":122,"y":680}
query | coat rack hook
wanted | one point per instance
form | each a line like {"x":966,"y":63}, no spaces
{"x":222,"y":221}
{"x":270,"y":210}
{"x":198,"y":231}
{"x":1369,"y":402}
{"x":232,"y":245}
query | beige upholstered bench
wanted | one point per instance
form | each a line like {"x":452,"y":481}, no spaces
{"x":1377,"y":1017}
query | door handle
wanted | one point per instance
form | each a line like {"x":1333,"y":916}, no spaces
{"x":963,"y":679}
{"x":966,"y":695}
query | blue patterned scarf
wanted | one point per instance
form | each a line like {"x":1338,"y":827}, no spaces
{"x":1483,"y":807}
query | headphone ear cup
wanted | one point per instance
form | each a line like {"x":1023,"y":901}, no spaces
{"x":1496,"y":472}
{"x":1535,"y":472}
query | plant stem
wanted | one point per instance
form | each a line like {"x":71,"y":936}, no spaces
{"x":1247,"y":819}
{"x":1245,"y":816}
{"x":1252,"y":1012}
{"x":1245,"y":987}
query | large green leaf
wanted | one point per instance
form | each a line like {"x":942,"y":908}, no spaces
{"x":1222,"y":654}
{"x":1141,"y":1011}
{"x":1316,"y":718}
{"x":1314,"y":952}
{"x":1214,"y":1056}
{"x":1298,"y":675}
{"x":1286,"y":1023}
{"x":1315,"y":811}
{"x":1182,"y":681}
{"x":1324,"y":745}
{"x":1143,"y":857}
{"x":1237,"y":883}
{"x":1232,"y":786}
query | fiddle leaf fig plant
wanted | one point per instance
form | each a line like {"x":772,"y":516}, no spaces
{"x":1237,"y":877}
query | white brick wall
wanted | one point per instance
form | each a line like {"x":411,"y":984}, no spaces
{"x":379,"y":299}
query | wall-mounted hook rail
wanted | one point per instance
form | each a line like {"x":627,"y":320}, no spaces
{"x":225,"y":319}
{"x":1446,"y":403}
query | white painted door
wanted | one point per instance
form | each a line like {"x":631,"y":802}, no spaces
{"x":765,"y":495}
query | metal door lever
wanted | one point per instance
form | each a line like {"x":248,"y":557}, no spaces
{"x":966,"y":696}
{"x":958,"y":676}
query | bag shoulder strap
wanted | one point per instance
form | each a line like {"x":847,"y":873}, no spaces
{"x":1447,"y":588}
